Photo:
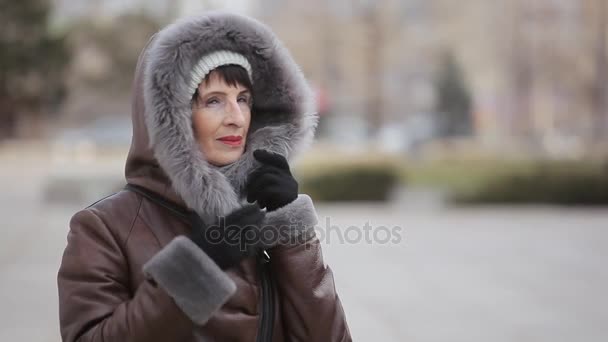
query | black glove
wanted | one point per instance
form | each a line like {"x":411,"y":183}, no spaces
{"x":231,"y":238}
{"x":271,"y":184}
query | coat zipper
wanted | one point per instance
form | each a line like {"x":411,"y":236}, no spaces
{"x":267,"y":312}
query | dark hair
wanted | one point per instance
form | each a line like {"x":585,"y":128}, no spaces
{"x":232,"y":74}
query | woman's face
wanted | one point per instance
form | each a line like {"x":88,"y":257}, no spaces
{"x":221,"y":115}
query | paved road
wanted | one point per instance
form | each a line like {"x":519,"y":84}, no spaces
{"x":467,"y":274}
{"x":535,"y":274}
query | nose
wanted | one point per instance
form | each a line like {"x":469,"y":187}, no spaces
{"x":234,"y":114}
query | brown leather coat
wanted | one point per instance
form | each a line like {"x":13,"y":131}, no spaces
{"x":128,"y":274}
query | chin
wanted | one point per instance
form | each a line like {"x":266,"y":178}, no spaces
{"x":226,"y":159}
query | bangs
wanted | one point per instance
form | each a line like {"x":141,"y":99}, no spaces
{"x":233,"y":75}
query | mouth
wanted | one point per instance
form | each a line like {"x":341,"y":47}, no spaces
{"x":231,"y":140}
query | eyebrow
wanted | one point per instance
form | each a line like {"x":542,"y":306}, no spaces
{"x":217,"y":92}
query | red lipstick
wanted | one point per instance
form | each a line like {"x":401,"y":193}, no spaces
{"x":232,"y":140}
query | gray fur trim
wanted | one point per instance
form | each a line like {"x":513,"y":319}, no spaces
{"x":283,"y":121}
{"x":299,"y":216}
{"x":196,"y":284}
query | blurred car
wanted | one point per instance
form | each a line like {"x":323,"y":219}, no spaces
{"x":88,"y":161}
{"x":104,"y":132}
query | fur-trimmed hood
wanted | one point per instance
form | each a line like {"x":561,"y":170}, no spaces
{"x":164,"y":155}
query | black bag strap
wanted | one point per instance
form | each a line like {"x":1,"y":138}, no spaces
{"x":176,"y":209}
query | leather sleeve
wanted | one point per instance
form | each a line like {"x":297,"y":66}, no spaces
{"x":95,"y":303}
{"x":311,"y":308}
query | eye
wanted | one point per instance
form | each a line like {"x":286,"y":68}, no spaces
{"x":244,"y":99}
{"x":212,"y":101}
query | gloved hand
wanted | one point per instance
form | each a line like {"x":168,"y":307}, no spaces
{"x":231,"y":238}
{"x":271,"y":184}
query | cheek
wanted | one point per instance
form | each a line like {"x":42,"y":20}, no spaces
{"x":247,"y":120}
{"x":204,"y":127}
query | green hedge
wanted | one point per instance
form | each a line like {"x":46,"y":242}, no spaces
{"x":354,"y":182}
{"x":474,"y":181}
{"x":569,"y":183}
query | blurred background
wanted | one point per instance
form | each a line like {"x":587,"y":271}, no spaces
{"x":478,"y":127}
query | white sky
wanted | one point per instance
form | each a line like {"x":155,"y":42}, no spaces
{"x":68,"y":9}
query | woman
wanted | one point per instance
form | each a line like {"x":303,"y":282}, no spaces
{"x":181,"y":254}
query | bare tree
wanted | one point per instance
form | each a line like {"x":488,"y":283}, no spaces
{"x":31,"y":66}
{"x":375,"y":64}
{"x":600,"y":96}
{"x":378,"y":18}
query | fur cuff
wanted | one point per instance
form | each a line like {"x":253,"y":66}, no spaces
{"x":298,"y":217}
{"x":196,"y":284}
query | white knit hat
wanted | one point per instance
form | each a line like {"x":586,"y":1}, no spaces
{"x":214,"y":60}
